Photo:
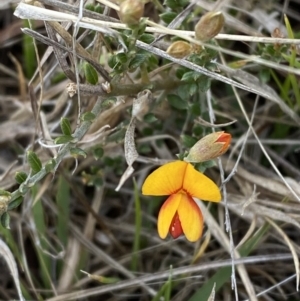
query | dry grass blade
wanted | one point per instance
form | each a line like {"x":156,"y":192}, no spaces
{"x":165,"y":274}
{"x":8,"y":256}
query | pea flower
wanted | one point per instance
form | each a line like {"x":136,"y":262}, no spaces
{"x":180,"y":214}
{"x":209,"y":147}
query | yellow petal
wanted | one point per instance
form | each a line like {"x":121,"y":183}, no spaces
{"x":165,"y":180}
{"x":191,"y":218}
{"x":200,"y":186}
{"x":166,"y":214}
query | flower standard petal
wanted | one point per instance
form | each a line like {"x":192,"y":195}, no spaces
{"x":191,"y":218}
{"x":165,"y":180}
{"x":198,"y":185}
{"x":166,"y":214}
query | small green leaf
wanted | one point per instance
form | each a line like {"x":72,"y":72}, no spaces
{"x":5,"y":220}
{"x":190,"y":76}
{"x":188,"y":141}
{"x":63,"y":139}
{"x":76,"y":152}
{"x":200,"y":167}
{"x":99,"y":9}
{"x":204,"y":83}
{"x":147,"y":131}
{"x":168,"y":17}
{"x":122,"y":57}
{"x":198,"y":130}
{"x":20,"y":177}
{"x":209,"y":163}
{"x":88,"y":116}
{"x":180,"y":72}
{"x":98,"y":153}
{"x":177,"y":102}
{"x":176,"y":4}
{"x":112,"y":61}
{"x":193,"y":89}
{"x":108,"y":161}
{"x":137,"y":61}
{"x":195,"y":109}
{"x":147,"y":38}
{"x":65,"y":126}
{"x":149,"y":118}
{"x":34,"y":161}
{"x":90,"y":73}
{"x":90,"y":7}
{"x":15,"y":203}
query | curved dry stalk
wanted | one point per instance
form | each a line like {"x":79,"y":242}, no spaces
{"x":291,"y":247}
{"x":8,"y":256}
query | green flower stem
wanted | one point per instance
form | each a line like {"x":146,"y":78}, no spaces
{"x":78,"y":135}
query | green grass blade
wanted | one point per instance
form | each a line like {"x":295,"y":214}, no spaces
{"x":138,"y":224}
{"x":29,"y":59}
{"x":41,"y":245}
{"x":63,"y":205}
{"x":165,"y":291}
{"x":292,"y":61}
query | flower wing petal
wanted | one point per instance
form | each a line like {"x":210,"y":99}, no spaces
{"x":166,"y":214}
{"x":165,"y":180}
{"x":200,"y":186}
{"x":191,"y":218}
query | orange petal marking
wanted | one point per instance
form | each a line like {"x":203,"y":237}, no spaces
{"x":166,"y":214}
{"x":165,"y":180}
{"x":200,"y":186}
{"x":191,"y":218}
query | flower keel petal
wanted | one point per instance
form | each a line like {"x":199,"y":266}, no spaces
{"x":175,"y":228}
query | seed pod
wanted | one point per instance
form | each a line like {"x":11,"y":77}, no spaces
{"x":131,"y":11}
{"x":179,"y":49}
{"x":209,"y":26}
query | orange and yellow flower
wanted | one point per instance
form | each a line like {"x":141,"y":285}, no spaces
{"x":180,"y":214}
